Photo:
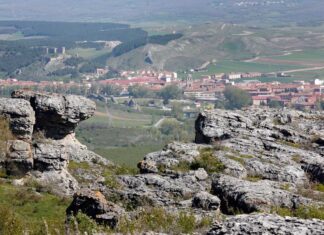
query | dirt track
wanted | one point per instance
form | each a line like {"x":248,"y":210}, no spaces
{"x":288,"y":62}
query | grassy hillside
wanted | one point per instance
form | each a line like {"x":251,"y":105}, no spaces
{"x":221,"y":42}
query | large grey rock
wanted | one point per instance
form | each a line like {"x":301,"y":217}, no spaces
{"x":215,"y":126}
{"x":58,"y":182}
{"x":267,"y":224}
{"x":21,"y":117}
{"x":50,"y":156}
{"x":160,"y":190}
{"x":57,"y":115}
{"x":289,"y":173}
{"x":45,"y":123}
{"x":314,"y":166}
{"x":174,"y":153}
{"x":19,"y":159}
{"x":248,"y":197}
{"x":206,"y":201}
{"x":95,"y":205}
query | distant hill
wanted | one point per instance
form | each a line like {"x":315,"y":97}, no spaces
{"x":139,"y":11}
{"x":208,"y":42}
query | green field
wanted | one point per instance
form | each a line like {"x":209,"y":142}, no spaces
{"x":304,"y":56}
{"x":125,"y":136}
{"x":238,"y":66}
{"x":88,"y":53}
{"x":128,"y":156}
{"x":275,"y":79}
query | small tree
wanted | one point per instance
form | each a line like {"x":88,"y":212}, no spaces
{"x":138,"y":91}
{"x":5,"y":134}
{"x":275,"y":104}
{"x":170,"y":92}
{"x":236,"y":98}
{"x":111,"y":90}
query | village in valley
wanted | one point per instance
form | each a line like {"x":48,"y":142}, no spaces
{"x":304,"y":95}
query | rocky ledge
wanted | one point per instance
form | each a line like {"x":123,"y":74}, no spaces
{"x":255,"y":162}
{"x":249,"y":161}
{"x":267,"y":224}
{"x":44,"y":142}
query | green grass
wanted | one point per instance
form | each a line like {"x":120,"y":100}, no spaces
{"x":205,"y":160}
{"x":254,"y":178}
{"x":120,"y":117}
{"x":128,"y":156}
{"x":307,"y":56}
{"x":240,"y":66}
{"x":159,"y":220}
{"x":88,"y":53}
{"x":319,"y":187}
{"x":237,"y":159}
{"x":32,"y":208}
{"x":78,"y":165}
{"x":306,"y":212}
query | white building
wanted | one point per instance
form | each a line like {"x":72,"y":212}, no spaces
{"x":319,"y":82}
{"x":233,"y":76}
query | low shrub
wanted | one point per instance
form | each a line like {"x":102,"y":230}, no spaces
{"x":5,"y":134}
{"x":205,"y":160}
{"x":10,"y":222}
{"x":254,"y":178}
{"x":237,"y":159}
{"x":209,"y":162}
{"x":159,"y":220}
{"x":304,"y":212}
{"x":78,"y":165}
{"x":319,"y":187}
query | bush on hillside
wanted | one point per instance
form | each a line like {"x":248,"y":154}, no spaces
{"x":5,"y":134}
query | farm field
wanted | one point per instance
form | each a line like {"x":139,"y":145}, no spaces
{"x":88,"y":53}
{"x":125,"y":136}
{"x":306,"y":56}
{"x":240,"y":66}
{"x":277,"y":79}
{"x":128,"y":156}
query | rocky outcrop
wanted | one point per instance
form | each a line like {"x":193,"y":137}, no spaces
{"x":44,"y":126}
{"x":206,"y":201}
{"x":266,"y":156}
{"x":267,"y":224}
{"x":158,"y":190}
{"x":21,"y":117}
{"x":19,"y":158}
{"x":95,"y":206}
{"x":248,"y":197}
{"x":57,"y":115}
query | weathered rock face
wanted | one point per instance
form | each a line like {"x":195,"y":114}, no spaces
{"x":57,"y":115}
{"x":268,"y":158}
{"x":205,"y":201}
{"x":267,"y":224}
{"x":19,"y":158}
{"x":44,"y":125}
{"x":154,"y":189}
{"x":95,"y":206}
{"x":285,"y":144}
{"x":248,"y":197}
{"x":21,"y":117}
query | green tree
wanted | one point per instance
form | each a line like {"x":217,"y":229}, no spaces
{"x":111,"y":90}
{"x":138,"y":91}
{"x":170,"y":92}
{"x":275,"y":104}
{"x":177,"y":111}
{"x":236,"y":98}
